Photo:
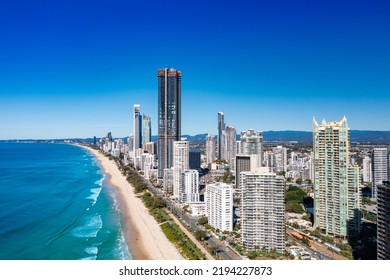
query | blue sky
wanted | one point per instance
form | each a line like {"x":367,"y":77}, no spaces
{"x":75,"y":68}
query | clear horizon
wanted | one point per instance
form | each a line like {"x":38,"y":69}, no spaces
{"x":75,"y":69}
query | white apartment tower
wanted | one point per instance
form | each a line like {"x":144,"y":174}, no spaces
{"x":210,"y":149}
{"x":180,"y":163}
{"x":252,"y":143}
{"x":262,"y":210}
{"x":280,"y":154}
{"x":379,"y":168}
{"x":190,"y":186}
{"x":219,"y":206}
{"x":230,"y":146}
{"x":367,"y":170}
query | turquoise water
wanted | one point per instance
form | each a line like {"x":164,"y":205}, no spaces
{"x":55,"y":203}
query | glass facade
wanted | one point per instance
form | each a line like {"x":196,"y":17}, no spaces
{"x":169,"y":116}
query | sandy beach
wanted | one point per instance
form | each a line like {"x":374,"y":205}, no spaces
{"x":144,"y":237}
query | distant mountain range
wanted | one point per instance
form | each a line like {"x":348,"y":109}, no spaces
{"x":356,"y":136}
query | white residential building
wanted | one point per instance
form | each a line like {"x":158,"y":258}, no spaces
{"x":190,"y":188}
{"x":181,"y":163}
{"x":219,"y":206}
{"x":280,"y":154}
{"x":210,"y":149}
{"x":168,"y":181}
{"x":367,"y":170}
{"x":262,"y":210}
{"x":379,"y":168}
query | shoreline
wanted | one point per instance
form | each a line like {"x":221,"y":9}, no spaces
{"x":144,"y":237}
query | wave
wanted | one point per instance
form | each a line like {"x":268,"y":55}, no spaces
{"x":95,"y":192}
{"x":100,"y":181}
{"x":92,"y":250}
{"x":122,"y":251}
{"x":90,"y":229}
{"x":89,"y":258}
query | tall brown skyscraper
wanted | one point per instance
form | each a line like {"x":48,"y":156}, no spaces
{"x":169,"y":116}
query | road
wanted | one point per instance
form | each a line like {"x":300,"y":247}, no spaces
{"x":222,"y":251}
{"x":317,"y":249}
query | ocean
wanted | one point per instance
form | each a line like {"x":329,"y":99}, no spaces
{"x":56,"y":203}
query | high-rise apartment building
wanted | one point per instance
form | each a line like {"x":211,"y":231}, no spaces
{"x":230,"y":146}
{"x":383,"y":221}
{"x":221,"y":129}
{"x":150,"y":147}
{"x":269,"y":160}
{"x":137,"y":128}
{"x":245,"y":163}
{"x":190,"y":191}
{"x":252,"y":143}
{"x":367,"y":170}
{"x":336,"y":183}
{"x":130,"y":143}
{"x":280,"y":154}
{"x":194,"y":158}
{"x":379,"y":168}
{"x":180,"y":164}
{"x":169,"y":116}
{"x":262,"y":210}
{"x":210,"y":149}
{"x":168,"y":181}
{"x":219,"y":206}
{"x":146,"y":129}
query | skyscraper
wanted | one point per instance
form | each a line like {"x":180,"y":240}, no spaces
{"x":262,"y":210}
{"x":221,"y":129}
{"x":146,"y":129}
{"x":367,"y":170}
{"x":383,"y":233}
{"x":169,"y":116}
{"x":219,"y":206}
{"x":137,"y":128}
{"x":210,"y":149}
{"x":245,"y":163}
{"x":252,"y":143}
{"x":379,"y":168}
{"x":190,"y":189}
{"x":336,"y":183}
{"x":280,"y":158}
{"x":230,"y":146}
{"x":269,"y":160}
{"x":194,"y":158}
{"x":180,"y":164}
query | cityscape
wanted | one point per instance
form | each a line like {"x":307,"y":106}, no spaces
{"x":262,"y":200}
{"x":195,"y":130}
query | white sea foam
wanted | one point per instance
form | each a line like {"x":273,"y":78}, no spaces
{"x":89,"y":258}
{"x":94,"y":195}
{"x":92,"y":250}
{"x":122,"y":250}
{"x":90,"y":229}
{"x":100,"y":182}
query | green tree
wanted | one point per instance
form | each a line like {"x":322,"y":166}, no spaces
{"x":203,"y":220}
{"x":306,"y":241}
{"x":227,"y":178}
{"x":252,"y":255}
{"x":200,"y":234}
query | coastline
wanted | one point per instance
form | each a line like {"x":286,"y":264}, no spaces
{"x":143,"y":235}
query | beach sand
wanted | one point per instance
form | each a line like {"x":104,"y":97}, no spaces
{"x":143,"y":235}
